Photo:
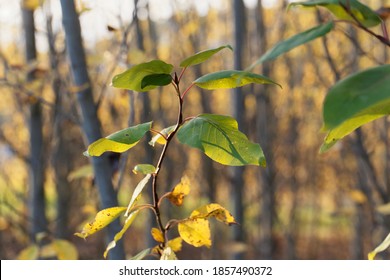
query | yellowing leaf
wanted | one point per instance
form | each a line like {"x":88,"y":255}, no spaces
{"x":157,"y":235}
{"x":214,"y":210}
{"x":119,"y":141}
{"x":158,"y":137}
{"x":175,"y":244}
{"x":102,"y":219}
{"x":383,"y":246}
{"x":137,"y":192}
{"x":29,"y":253}
{"x":65,"y":250}
{"x":168,"y":254}
{"x":195,"y":232}
{"x":119,"y":235}
{"x":180,"y":191}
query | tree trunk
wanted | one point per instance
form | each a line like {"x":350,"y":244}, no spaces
{"x":91,"y":123}
{"x":37,"y":162}
{"x":265,"y":122}
{"x":238,"y":112}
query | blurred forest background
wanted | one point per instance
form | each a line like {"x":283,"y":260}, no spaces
{"x":303,"y":205}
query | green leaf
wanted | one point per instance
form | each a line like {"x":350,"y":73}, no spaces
{"x":219,"y":138}
{"x":130,"y":219}
{"x":156,"y":80}
{"x":144,"y":169}
{"x":294,"y":41}
{"x":102,"y":219}
{"x":202,"y":56}
{"x":120,"y":141}
{"x":231,"y":79}
{"x":381,"y":247}
{"x":364,"y":14}
{"x":354,"y":101}
{"x":132,"y":78}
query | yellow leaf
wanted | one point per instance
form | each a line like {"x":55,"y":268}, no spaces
{"x":29,"y":253}
{"x":180,"y":191}
{"x":102,"y":145}
{"x":31,"y":4}
{"x":65,"y":250}
{"x":384,"y":209}
{"x":358,"y":196}
{"x":157,"y":235}
{"x":137,"y":193}
{"x":214,"y":210}
{"x":102,"y":219}
{"x":195,"y":232}
{"x":175,"y":244}
{"x":381,"y":247}
{"x":168,"y":254}
{"x":119,"y":235}
{"x":48,"y":252}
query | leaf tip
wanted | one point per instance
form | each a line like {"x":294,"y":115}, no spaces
{"x":86,"y":154}
{"x":371,"y":255}
{"x":81,"y":235}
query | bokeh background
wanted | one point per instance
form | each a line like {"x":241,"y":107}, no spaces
{"x":303,"y":205}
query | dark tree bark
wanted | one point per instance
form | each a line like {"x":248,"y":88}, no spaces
{"x":37,"y":161}
{"x":91,"y":123}
{"x":238,"y":112}
{"x":265,"y":123}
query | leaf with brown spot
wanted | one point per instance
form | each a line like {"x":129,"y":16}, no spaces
{"x":180,"y":191}
{"x":214,"y":210}
{"x":102,"y":219}
{"x":195,"y":232}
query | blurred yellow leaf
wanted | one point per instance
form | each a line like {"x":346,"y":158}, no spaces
{"x":383,"y":246}
{"x":29,"y":253}
{"x":102,"y":219}
{"x":358,"y":196}
{"x":48,"y":252}
{"x":65,"y":250}
{"x":384,"y":209}
{"x":196,"y":232}
{"x":157,"y":235}
{"x":85,"y":171}
{"x":119,"y":235}
{"x":214,"y":210}
{"x":31,"y":4}
{"x":168,"y":254}
{"x":180,"y":191}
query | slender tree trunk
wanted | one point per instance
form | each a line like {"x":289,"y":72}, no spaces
{"x":37,"y":162}
{"x":238,"y":112}
{"x":91,"y":123}
{"x":265,"y":123}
